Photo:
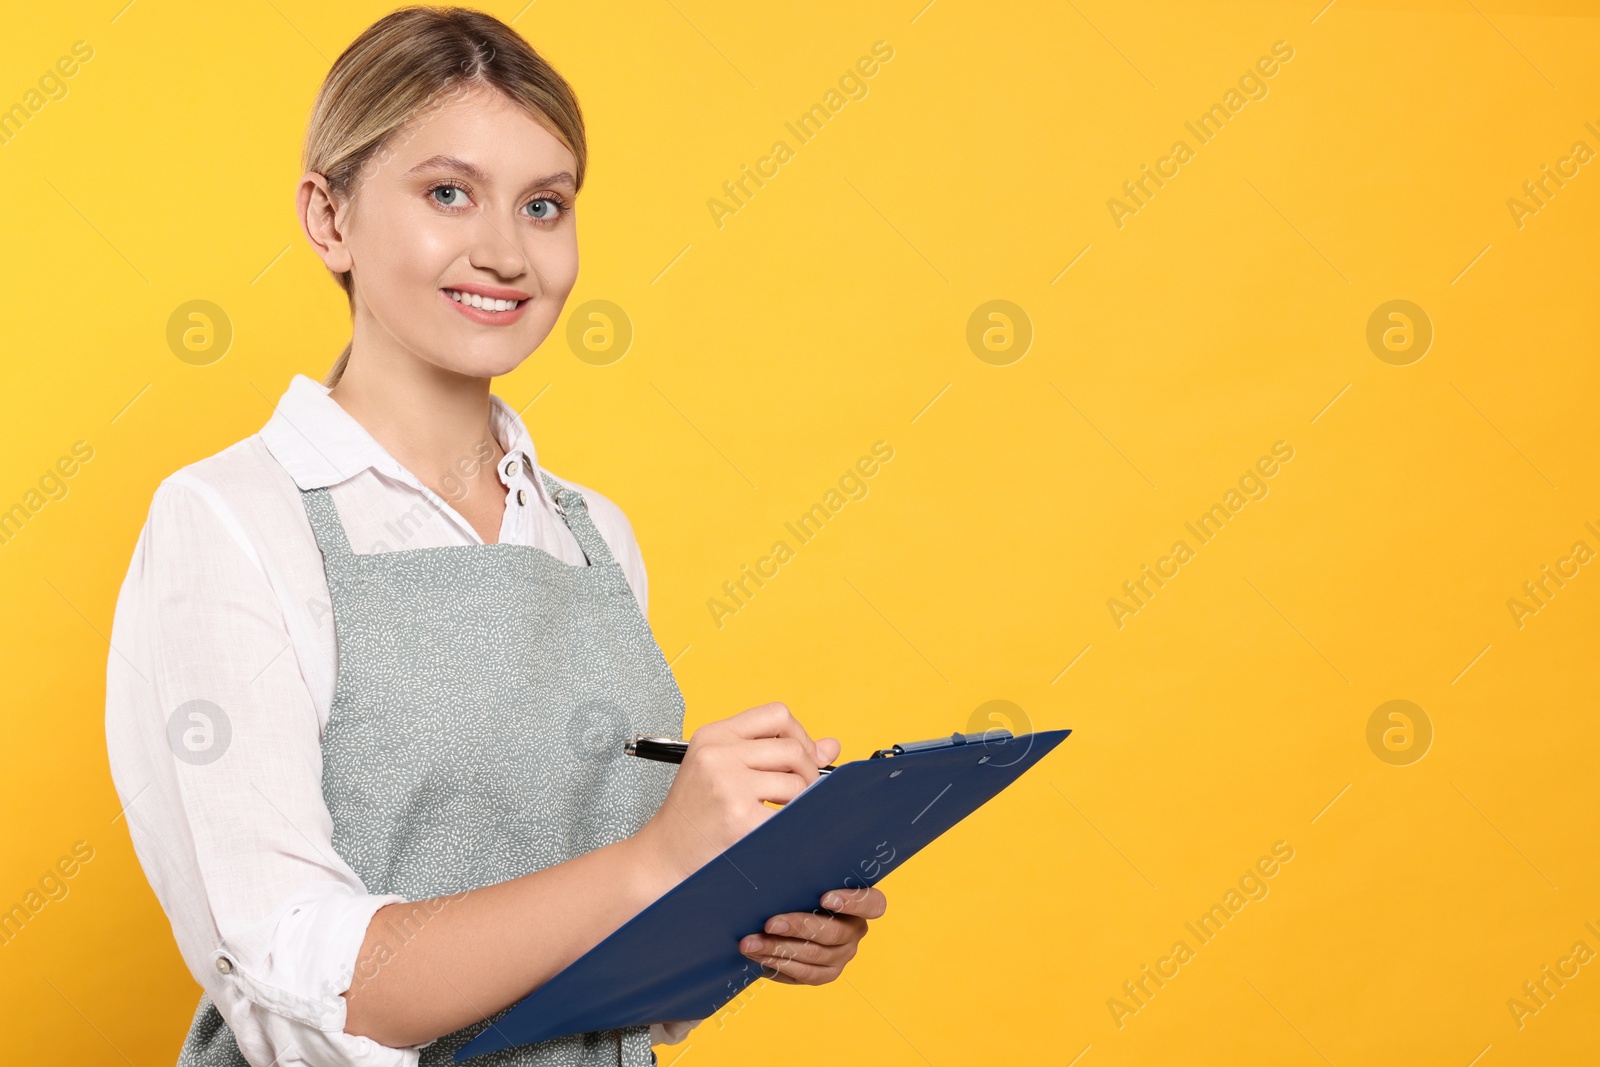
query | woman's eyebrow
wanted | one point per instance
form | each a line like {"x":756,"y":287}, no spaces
{"x":476,"y":173}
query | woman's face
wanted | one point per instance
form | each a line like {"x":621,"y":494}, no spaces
{"x":470,"y":201}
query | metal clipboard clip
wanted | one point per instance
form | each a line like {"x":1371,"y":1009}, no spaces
{"x":988,"y":737}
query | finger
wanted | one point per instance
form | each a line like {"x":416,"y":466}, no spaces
{"x":778,"y":754}
{"x":769,"y":720}
{"x":761,"y":946}
{"x":866,"y":901}
{"x":825,"y":929}
{"x":794,"y":972}
{"x":776,"y":786}
{"x":789,"y":950}
{"x":828,"y":749}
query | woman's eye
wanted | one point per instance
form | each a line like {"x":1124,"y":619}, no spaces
{"x":455,"y":195}
{"x":545,"y":209}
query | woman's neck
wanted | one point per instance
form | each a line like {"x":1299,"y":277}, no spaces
{"x":434,"y":422}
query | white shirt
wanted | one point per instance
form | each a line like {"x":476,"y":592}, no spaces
{"x":226,"y":601}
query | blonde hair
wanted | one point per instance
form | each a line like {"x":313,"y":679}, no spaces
{"x":407,"y":62}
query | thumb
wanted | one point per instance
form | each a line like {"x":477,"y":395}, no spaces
{"x":828,"y":749}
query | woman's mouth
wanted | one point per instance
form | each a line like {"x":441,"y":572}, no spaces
{"x":491,"y":311}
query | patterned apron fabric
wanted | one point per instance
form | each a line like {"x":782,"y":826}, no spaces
{"x":482,"y":697}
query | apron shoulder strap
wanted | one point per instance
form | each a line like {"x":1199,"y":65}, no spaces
{"x":326,"y":524}
{"x":574,"y":511}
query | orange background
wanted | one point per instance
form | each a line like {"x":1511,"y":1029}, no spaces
{"x":832,"y":311}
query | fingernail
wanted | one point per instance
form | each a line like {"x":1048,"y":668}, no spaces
{"x":778,"y":926}
{"x":752,"y":944}
{"x":831,"y":900}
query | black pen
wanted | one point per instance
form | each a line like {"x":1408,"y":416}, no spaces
{"x":670,"y":750}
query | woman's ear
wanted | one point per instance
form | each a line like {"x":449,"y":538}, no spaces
{"x":319,"y":218}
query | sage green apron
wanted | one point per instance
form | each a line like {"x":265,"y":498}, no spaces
{"x":483,"y":693}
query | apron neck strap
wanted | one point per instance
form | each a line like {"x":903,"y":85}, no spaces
{"x":570,"y":505}
{"x":574,"y":511}
{"x":325,"y":523}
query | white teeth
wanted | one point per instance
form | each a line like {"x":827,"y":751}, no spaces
{"x":474,"y":300}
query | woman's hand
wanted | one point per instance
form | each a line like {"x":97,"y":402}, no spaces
{"x":811,"y":948}
{"x":732,"y":768}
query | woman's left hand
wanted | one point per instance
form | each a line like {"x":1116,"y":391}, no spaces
{"x":807,"y":948}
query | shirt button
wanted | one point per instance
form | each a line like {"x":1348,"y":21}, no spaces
{"x":512,"y":468}
{"x":522,"y":496}
{"x":225,"y":965}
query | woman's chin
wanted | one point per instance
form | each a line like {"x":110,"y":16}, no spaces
{"x":484,"y":365}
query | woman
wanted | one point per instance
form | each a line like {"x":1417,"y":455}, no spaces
{"x":373,"y":666}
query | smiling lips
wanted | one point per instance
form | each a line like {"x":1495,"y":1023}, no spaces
{"x":488,"y":305}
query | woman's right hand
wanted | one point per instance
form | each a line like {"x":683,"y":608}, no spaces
{"x":731,"y":767}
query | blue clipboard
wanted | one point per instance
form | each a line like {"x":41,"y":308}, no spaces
{"x":679,"y":958}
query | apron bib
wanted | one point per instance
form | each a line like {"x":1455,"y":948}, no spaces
{"x":482,"y":696}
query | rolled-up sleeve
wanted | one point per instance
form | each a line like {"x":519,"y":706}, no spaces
{"x":214,"y":746}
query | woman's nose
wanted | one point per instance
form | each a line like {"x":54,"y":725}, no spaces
{"x":495,"y":247}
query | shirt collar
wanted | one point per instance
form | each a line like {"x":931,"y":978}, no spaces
{"x":321,"y":444}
